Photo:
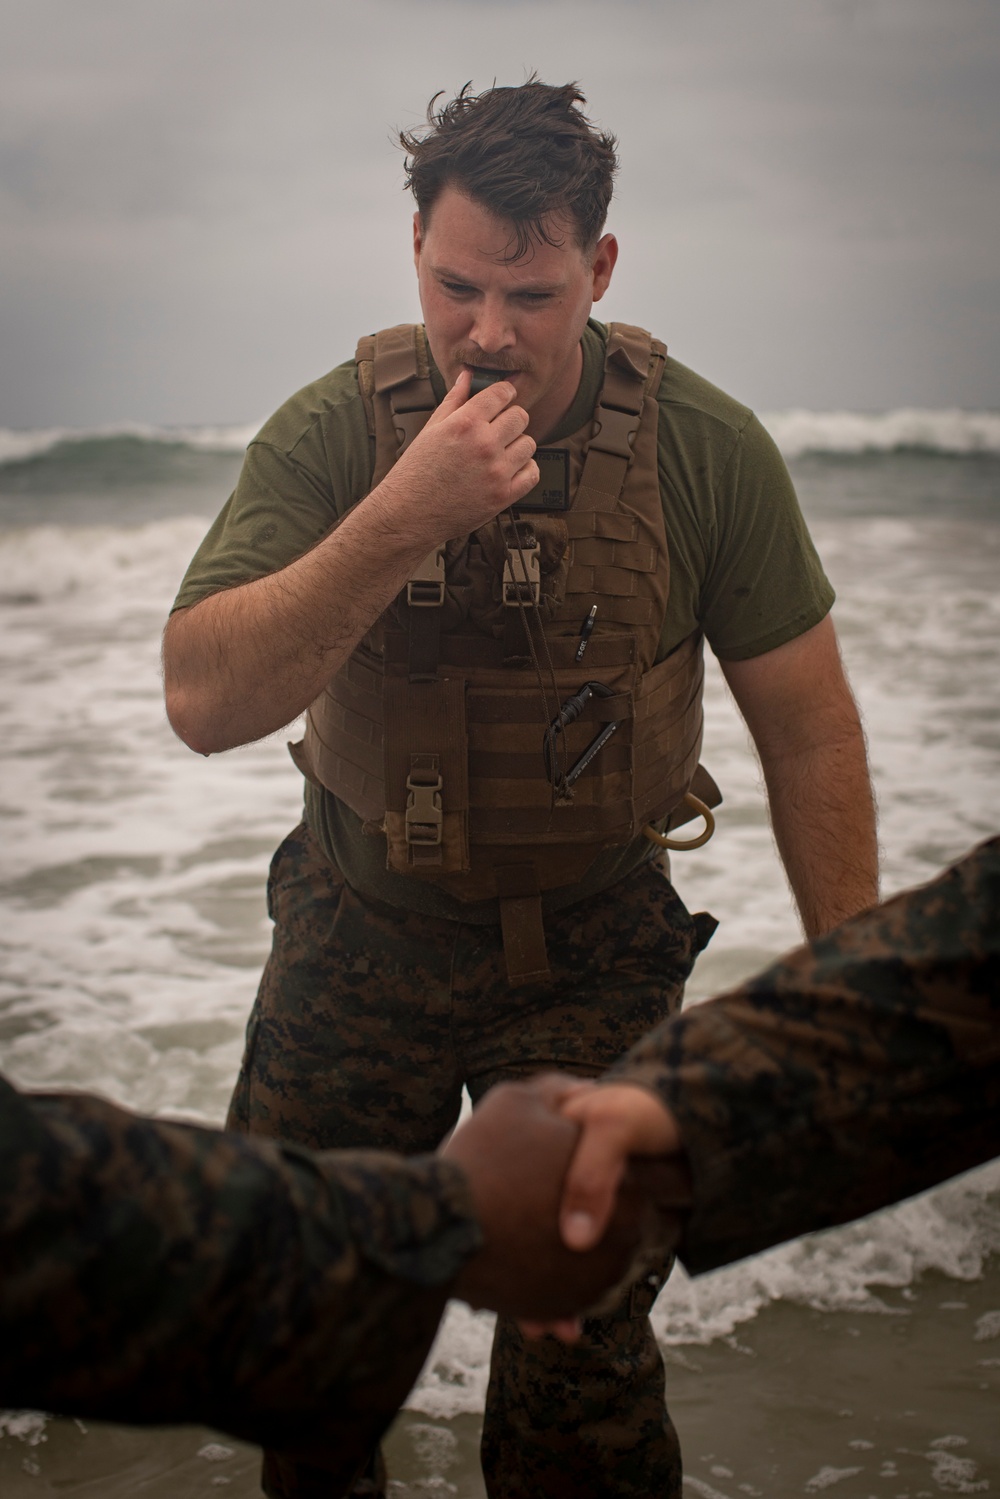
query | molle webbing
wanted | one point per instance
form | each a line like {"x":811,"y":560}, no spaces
{"x":645,"y":768}
{"x":433,"y":730}
{"x":394,"y":371}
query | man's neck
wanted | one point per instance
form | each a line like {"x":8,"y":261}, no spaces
{"x":547,"y":417}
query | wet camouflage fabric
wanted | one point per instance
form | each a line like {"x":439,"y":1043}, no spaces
{"x":542,"y":1444}
{"x":368,"y":1021}
{"x":156,"y":1272}
{"x":852,"y":1073}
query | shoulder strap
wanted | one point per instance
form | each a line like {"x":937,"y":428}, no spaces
{"x":395,"y":384}
{"x":633,"y":365}
{"x":394,"y":376}
{"x":635,"y":354}
{"x":364,"y":358}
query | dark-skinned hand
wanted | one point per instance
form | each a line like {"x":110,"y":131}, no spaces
{"x":516,"y":1150}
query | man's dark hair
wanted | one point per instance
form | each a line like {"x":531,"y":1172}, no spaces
{"x":522,"y":153}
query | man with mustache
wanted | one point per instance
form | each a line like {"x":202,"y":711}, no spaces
{"x":484,"y":555}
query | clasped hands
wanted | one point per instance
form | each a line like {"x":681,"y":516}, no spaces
{"x":577,"y":1187}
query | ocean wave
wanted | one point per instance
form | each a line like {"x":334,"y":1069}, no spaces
{"x":846,"y":433}
{"x":23,"y":446}
{"x":797,"y":432}
{"x":953,"y":1230}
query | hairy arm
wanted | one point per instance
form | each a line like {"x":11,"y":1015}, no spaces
{"x":804,"y":721}
{"x":244,"y":662}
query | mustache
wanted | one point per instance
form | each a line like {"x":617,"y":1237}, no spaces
{"x":476,"y":359}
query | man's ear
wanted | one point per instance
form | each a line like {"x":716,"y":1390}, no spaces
{"x":418,"y":238}
{"x":605,"y":256}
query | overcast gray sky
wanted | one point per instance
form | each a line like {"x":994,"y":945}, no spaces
{"x":201,"y":208}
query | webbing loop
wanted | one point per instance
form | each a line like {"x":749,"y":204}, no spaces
{"x":679,"y":844}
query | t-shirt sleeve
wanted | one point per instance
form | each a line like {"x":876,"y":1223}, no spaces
{"x":743,"y":565}
{"x":765,"y":584}
{"x":302,"y":472}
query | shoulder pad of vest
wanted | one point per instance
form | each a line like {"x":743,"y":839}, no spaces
{"x":364,"y":357}
{"x":635,"y":352}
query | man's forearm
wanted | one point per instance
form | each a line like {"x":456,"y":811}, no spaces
{"x":800,"y":710}
{"x":823,"y":817}
{"x":244,"y":662}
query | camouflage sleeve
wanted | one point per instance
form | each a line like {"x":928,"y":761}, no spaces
{"x":158,"y":1272}
{"x":852,"y":1073}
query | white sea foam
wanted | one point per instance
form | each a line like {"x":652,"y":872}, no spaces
{"x":827,"y":1477}
{"x":135,"y":869}
{"x":952,"y":1230}
{"x":132,"y":919}
{"x":951,"y":431}
{"x":26,"y":1426}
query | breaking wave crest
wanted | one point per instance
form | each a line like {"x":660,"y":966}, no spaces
{"x":25,"y":446}
{"x":848,"y":433}
{"x":797,"y":432}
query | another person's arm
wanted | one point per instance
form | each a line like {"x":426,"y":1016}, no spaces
{"x":852,"y":1073}
{"x":153,"y":1272}
{"x":245,"y":661}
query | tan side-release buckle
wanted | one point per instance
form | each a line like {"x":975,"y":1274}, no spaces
{"x":424,"y":811}
{"x":522,"y":572}
{"x":614,"y":432}
{"x":425,"y":590}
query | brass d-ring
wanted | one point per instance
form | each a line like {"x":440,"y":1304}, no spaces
{"x":696,"y":805}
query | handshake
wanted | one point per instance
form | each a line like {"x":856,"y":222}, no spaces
{"x":578,"y":1188}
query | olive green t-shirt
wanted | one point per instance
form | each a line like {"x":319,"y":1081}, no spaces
{"x":743,"y":568}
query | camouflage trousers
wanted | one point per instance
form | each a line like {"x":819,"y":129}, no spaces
{"x":368,"y":1021}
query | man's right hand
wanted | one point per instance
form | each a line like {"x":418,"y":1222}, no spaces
{"x":247,"y":660}
{"x":472,"y":460}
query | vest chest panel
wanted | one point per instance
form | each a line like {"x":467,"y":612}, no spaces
{"x":438,"y":732}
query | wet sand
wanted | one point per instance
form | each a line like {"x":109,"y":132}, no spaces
{"x":897,"y":1405}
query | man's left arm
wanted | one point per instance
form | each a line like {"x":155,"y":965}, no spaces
{"x":801,"y":712}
